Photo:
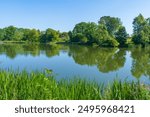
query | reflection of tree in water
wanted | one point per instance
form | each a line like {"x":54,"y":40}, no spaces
{"x":111,"y":60}
{"x":82,"y":55}
{"x":52,"y":50}
{"x":32,"y":49}
{"x":106,"y":59}
{"x":141,"y":62}
{"x":12,"y":50}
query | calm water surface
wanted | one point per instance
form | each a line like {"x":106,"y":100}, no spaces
{"x":100,"y":64}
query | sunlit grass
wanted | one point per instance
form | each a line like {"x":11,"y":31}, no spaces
{"x":41,"y":86}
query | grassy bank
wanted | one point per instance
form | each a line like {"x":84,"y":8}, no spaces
{"x":24,"y":86}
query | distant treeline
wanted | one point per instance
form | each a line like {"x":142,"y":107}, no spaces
{"x":108,"y":32}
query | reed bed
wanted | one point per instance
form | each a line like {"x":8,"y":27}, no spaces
{"x":42,"y":86}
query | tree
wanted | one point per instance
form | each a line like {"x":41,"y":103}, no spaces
{"x":138,"y":23}
{"x":141,"y":30}
{"x":9,"y":33}
{"x":26,"y":34}
{"x":112,"y":24}
{"x":91,"y":33}
{"x":83,"y":32}
{"x":110,"y":43}
{"x":18,"y":35}
{"x":80,"y":28}
{"x":2,"y":34}
{"x":64,"y":36}
{"x":148,"y":21}
{"x":51,"y":35}
{"x":81,"y":38}
{"x":33,"y":35}
{"x":121,"y":36}
{"x":102,"y":38}
{"x":143,"y":37}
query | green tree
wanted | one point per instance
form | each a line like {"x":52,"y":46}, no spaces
{"x":51,"y":35}
{"x":138,"y":23}
{"x":121,"y":36}
{"x":148,"y":21}
{"x":102,"y":37}
{"x":80,"y":28}
{"x":91,"y":33}
{"x":81,"y":38}
{"x":33,"y":35}
{"x":2,"y":34}
{"x":112,"y":24}
{"x":111,"y":43}
{"x":26,"y":34}
{"x":83,"y":32}
{"x":143,"y":37}
{"x":112,"y":30}
{"x":9,"y":33}
{"x":64,"y":36}
{"x":18,"y":35}
{"x":141,"y":30}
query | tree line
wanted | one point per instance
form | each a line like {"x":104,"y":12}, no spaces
{"x":109,"y":32}
{"x":12,"y":33}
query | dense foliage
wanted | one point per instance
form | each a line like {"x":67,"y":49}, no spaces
{"x":12,"y":33}
{"x":108,"y":32}
{"x":141,"y":30}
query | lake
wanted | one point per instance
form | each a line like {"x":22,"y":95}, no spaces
{"x":94,"y":63}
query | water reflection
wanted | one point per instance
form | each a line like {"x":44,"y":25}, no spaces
{"x":12,"y":50}
{"x":141,"y":62}
{"x":106,"y":60}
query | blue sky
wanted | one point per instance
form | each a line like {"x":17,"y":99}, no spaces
{"x":64,"y":14}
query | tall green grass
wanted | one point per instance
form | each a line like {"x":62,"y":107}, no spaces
{"x":41,"y":86}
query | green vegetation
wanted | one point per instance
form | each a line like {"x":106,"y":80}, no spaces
{"x":14,"y":34}
{"x":41,"y":86}
{"x":141,"y":30}
{"x":108,"y":32}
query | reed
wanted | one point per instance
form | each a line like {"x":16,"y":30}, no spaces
{"x":43,"y":86}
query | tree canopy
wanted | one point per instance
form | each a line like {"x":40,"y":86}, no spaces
{"x":141,"y":30}
{"x":109,"y":32}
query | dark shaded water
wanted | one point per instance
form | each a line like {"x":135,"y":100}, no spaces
{"x":100,"y":64}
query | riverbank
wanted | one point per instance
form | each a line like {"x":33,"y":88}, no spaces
{"x":43,"y":86}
